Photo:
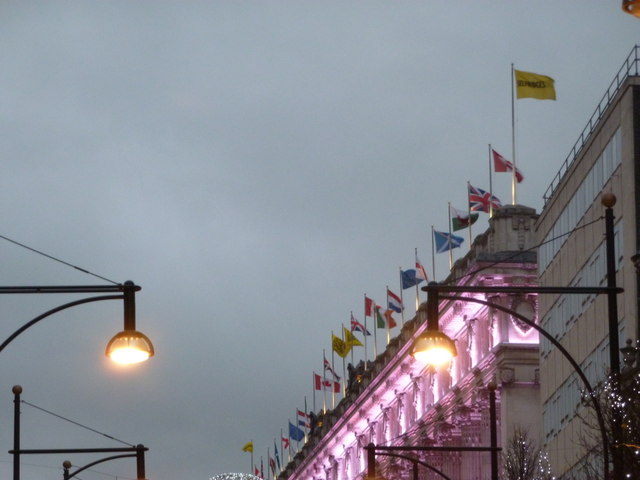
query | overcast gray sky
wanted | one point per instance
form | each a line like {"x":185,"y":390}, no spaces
{"x":257,"y":167}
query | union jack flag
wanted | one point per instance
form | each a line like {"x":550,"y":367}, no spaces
{"x":481,"y":201}
{"x":328,"y":368}
{"x":356,"y":326}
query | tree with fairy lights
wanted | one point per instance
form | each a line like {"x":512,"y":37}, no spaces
{"x":523,"y":460}
{"x":626,"y":404}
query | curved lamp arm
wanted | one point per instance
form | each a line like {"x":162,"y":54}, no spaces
{"x":12,"y":337}
{"x":567,"y":355}
{"x":89,"y":465}
{"x":126,"y":347}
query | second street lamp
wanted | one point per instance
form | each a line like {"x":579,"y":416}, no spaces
{"x":428,"y":340}
{"x":126,"y":347}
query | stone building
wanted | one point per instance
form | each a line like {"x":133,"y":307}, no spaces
{"x":572,"y":253}
{"x":396,"y":400}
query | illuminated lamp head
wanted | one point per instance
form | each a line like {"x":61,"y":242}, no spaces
{"x":434,"y":347}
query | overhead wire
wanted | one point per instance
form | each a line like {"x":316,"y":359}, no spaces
{"x":110,"y":437}
{"x":57,"y":259}
{"x":519,"y":252}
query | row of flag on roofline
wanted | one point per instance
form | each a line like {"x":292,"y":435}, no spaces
{"x":296,"y":433}
{"x":479,"y":201}
{"x":330,"y":382}
{"x":526,"y":85}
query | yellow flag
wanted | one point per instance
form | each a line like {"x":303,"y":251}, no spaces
{"x":340,"y":346}
{"x":532,"y":85}
{"x":248,"y":447}
{"x":350,"y":339}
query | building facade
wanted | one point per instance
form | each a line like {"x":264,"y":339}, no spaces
{"x":395,"y":401}
{"x":570,"y":232}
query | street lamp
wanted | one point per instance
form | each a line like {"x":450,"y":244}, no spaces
{"x":433,"y":347}
{"x":434,"y":296}
{"x":126,"y":347}
{"x":121,"y":452}
{"x":433,"y":290}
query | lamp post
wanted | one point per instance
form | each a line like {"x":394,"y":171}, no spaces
{"x":126,"y":347}
{"x":432,"y":337}
{"x":122,"y":452}
{"x":433,"y":297}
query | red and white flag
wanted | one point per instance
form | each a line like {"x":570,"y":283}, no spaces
{"x":394,"y":302}
{"x":421,"y":273}
{"x":501,"y":164}
{"x":368,"y":307}
{"x":330,"y":385}
{"x":303,"y":419}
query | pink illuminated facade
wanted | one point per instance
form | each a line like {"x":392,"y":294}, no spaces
{"x":398,"y":401}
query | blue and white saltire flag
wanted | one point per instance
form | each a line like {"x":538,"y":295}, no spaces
{"x":446,"y":241}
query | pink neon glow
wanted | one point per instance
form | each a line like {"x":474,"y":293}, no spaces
{"x":475,"y":335}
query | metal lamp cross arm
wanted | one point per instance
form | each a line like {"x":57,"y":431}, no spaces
{"x":127,"y":346}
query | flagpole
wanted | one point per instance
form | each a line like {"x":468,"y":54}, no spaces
{"x":352,"y":360}
{"x":449,"y":241}
{"x":415,"y":250}
{"x":277,"y":459}
{"x":469,"y":214}
{"x":375,"y":333}
{"x":401,"y":296}
{"x":366,"y":357}
{"x":313,"y":386}
{"x":433,"y":255}
{"x":305,"y":420}
{"x":490,"y":185}
{"x":364,"y":334}
{"x":387,"y":320}
{"x":333,"y":395}
{"x":401,"y":290}
{"x":251,"y":469}
{"x":324,"y":377}
{"x":513,"y":138}
{"x":344,"y":373}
